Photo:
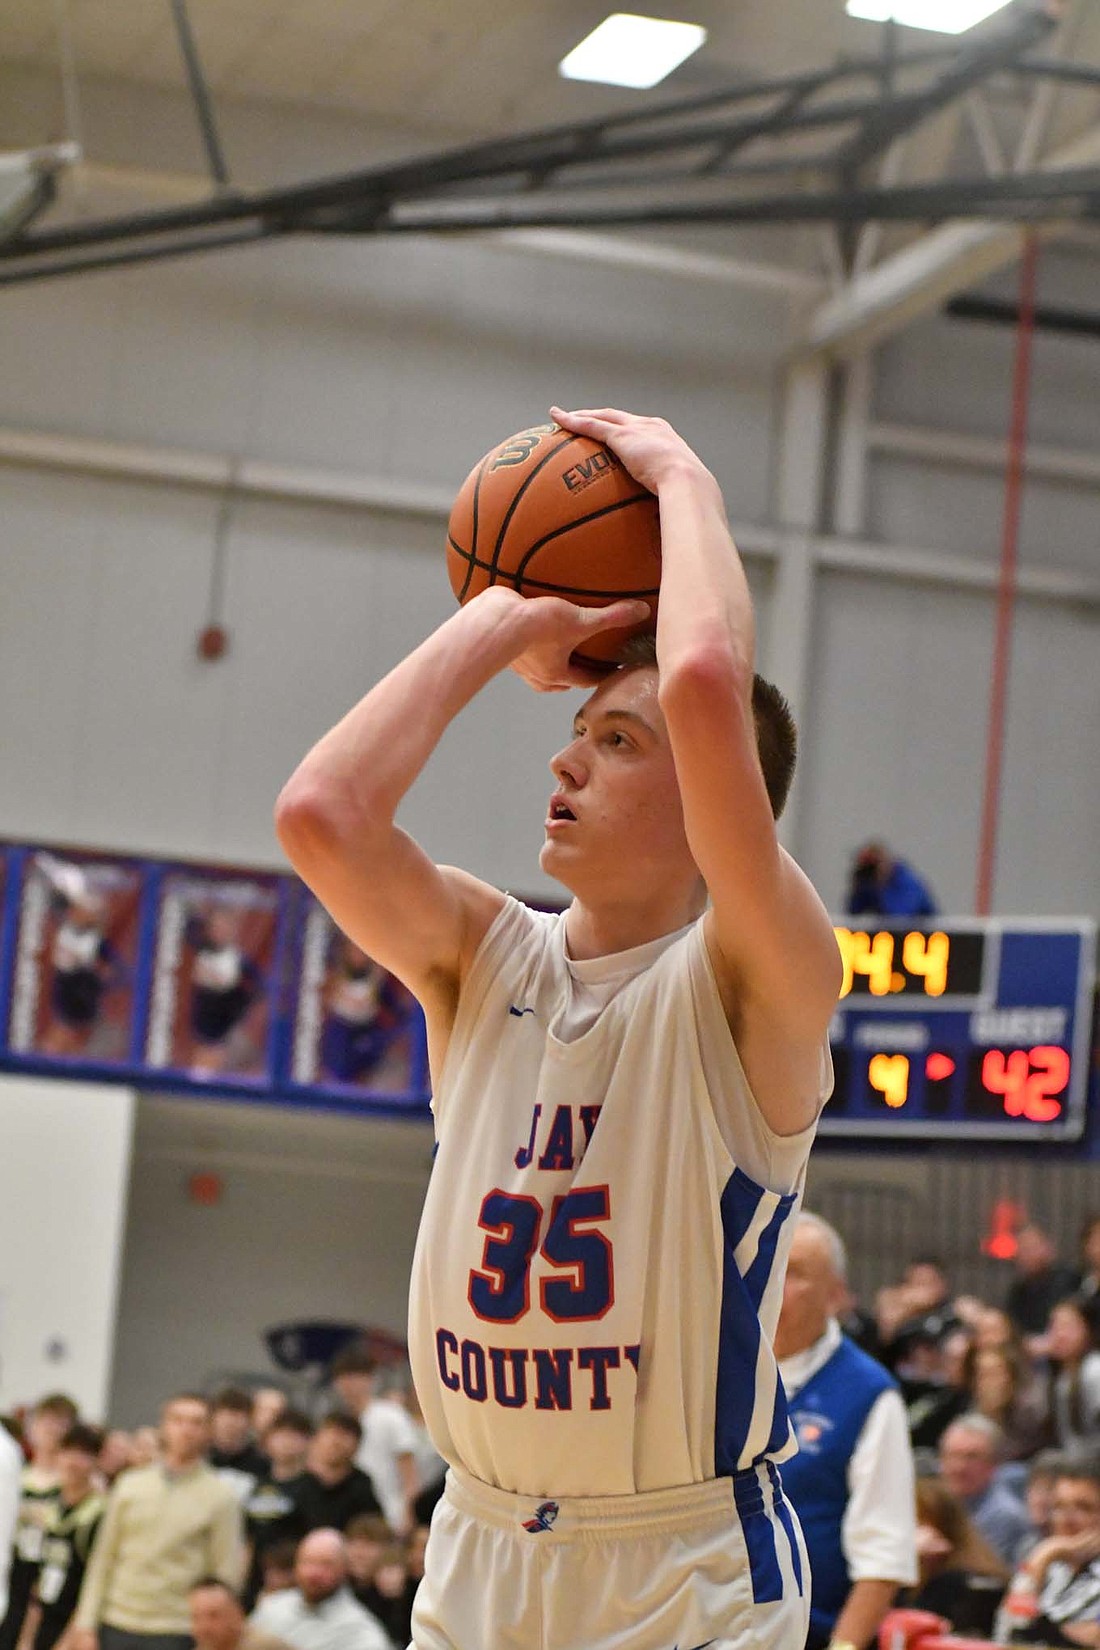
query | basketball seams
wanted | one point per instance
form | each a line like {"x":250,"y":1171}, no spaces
{"x":473,"y":545}
{"x":519,"y":573}
{"x":560,"y":447}
{"x":567,"y":590}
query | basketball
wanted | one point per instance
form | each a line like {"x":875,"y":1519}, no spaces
{"x":554,"y":514}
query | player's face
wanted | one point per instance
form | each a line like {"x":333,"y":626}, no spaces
{"x":616,"y":816}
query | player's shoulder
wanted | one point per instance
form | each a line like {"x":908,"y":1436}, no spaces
{"x":486,"y":909}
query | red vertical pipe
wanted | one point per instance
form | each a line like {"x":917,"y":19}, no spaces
{"x":1006,"y":587}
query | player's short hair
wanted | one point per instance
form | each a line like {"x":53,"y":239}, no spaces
{"x":342,"y":1422}
{"x":87,"y":1439}
{"x":838,"y":1254}
{"x":776,"y":733}
{"x":234,"y":1399}
{"x":353,"y":1360}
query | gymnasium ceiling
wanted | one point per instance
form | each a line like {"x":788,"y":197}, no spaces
{"x":455,"y":68}
{"x":448,"y":71}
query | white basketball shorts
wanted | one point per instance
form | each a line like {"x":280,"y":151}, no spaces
{"x":714,"y":1566}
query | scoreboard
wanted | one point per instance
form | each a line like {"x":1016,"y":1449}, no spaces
{"x":977,"y":1029}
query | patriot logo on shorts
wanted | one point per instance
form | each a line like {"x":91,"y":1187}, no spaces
{"x":545,"y":1514}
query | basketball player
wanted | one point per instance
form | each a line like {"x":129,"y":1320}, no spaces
{"x":625,"y":1097}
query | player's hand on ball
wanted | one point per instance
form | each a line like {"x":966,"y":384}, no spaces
{"x":649,"y":447}
{"x":558,"y":629}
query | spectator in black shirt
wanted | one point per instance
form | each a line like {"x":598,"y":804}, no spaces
{"x":70,"y":1532}
{"x":333,"y":1490}
{"x":50,"y":1421}
{"x":272,"y":1511}
{"x":234,"y":1453}
{"x":1041,"y":1281}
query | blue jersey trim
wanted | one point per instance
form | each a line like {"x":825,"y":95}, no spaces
{"x":759,"y":1532}
{"x":739,"y":1333}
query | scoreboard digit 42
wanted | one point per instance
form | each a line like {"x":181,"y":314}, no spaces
{"x":976,"y":1029}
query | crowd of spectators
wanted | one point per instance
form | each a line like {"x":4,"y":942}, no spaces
{"x":1003,"y":1406}
{"x":238,"y":1522}
{"x":243,"y":1523}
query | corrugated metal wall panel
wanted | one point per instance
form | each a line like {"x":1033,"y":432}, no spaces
{"x":892,"y":1209}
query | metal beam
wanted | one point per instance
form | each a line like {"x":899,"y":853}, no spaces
{"x":200,"y":95}
{"x":926,"y":274}
{"x":898,"y":115}
{"x":1048,"y":317}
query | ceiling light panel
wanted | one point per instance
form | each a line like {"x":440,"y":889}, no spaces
{"x":632,"y":51}
{"x":942,"y":16}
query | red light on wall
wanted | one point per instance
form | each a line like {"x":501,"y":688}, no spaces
{"x":1005,"y":1221}
{"x":938,"y":1066}
{"x":205,"y":1190}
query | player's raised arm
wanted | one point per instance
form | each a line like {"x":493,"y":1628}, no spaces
{"x":769,"y":935}
{"x":336,"y":816}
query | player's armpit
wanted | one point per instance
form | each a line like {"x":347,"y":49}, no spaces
{"x":421,"y":921}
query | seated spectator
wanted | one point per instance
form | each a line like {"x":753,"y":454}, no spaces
{"x":921,"y":1300}
{"x":1002,"y":1387}
{"x":961,"y":1577}
{"x":931,"y":1400}
{"x":1073,"y":1343}
{"x":319,"y":1611}
{"x":1041,"y":1281}
{"x":116,"y":1455}
{"x":880,"y":884}
{"x":218,"y":1621}
{"x":367,"y":1537}
{"x":234,"y":1453}
{"x":969,"y":1455}
{"x":1042,"y":1475}
{"x":70,"y":1532}
{"x":144,"y":1447}
{"x":415,"y":1548}
{"x":1054,"y":1597}
{"x":272,"y":1512}
{"x":994,"y":1327}
{"x":1090,"y":1257}
{"x":267,"y":1403}
{"x":277,"y":1567}
{"x":332,"y":1490}
{"x":386,"y":1595}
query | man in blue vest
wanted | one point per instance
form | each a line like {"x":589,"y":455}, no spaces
{"x":852,"y":1481}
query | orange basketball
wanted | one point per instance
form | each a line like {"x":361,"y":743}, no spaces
{"x":554,"y":514}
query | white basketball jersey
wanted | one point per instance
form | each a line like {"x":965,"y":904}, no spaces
{"x":597,"y":1277}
